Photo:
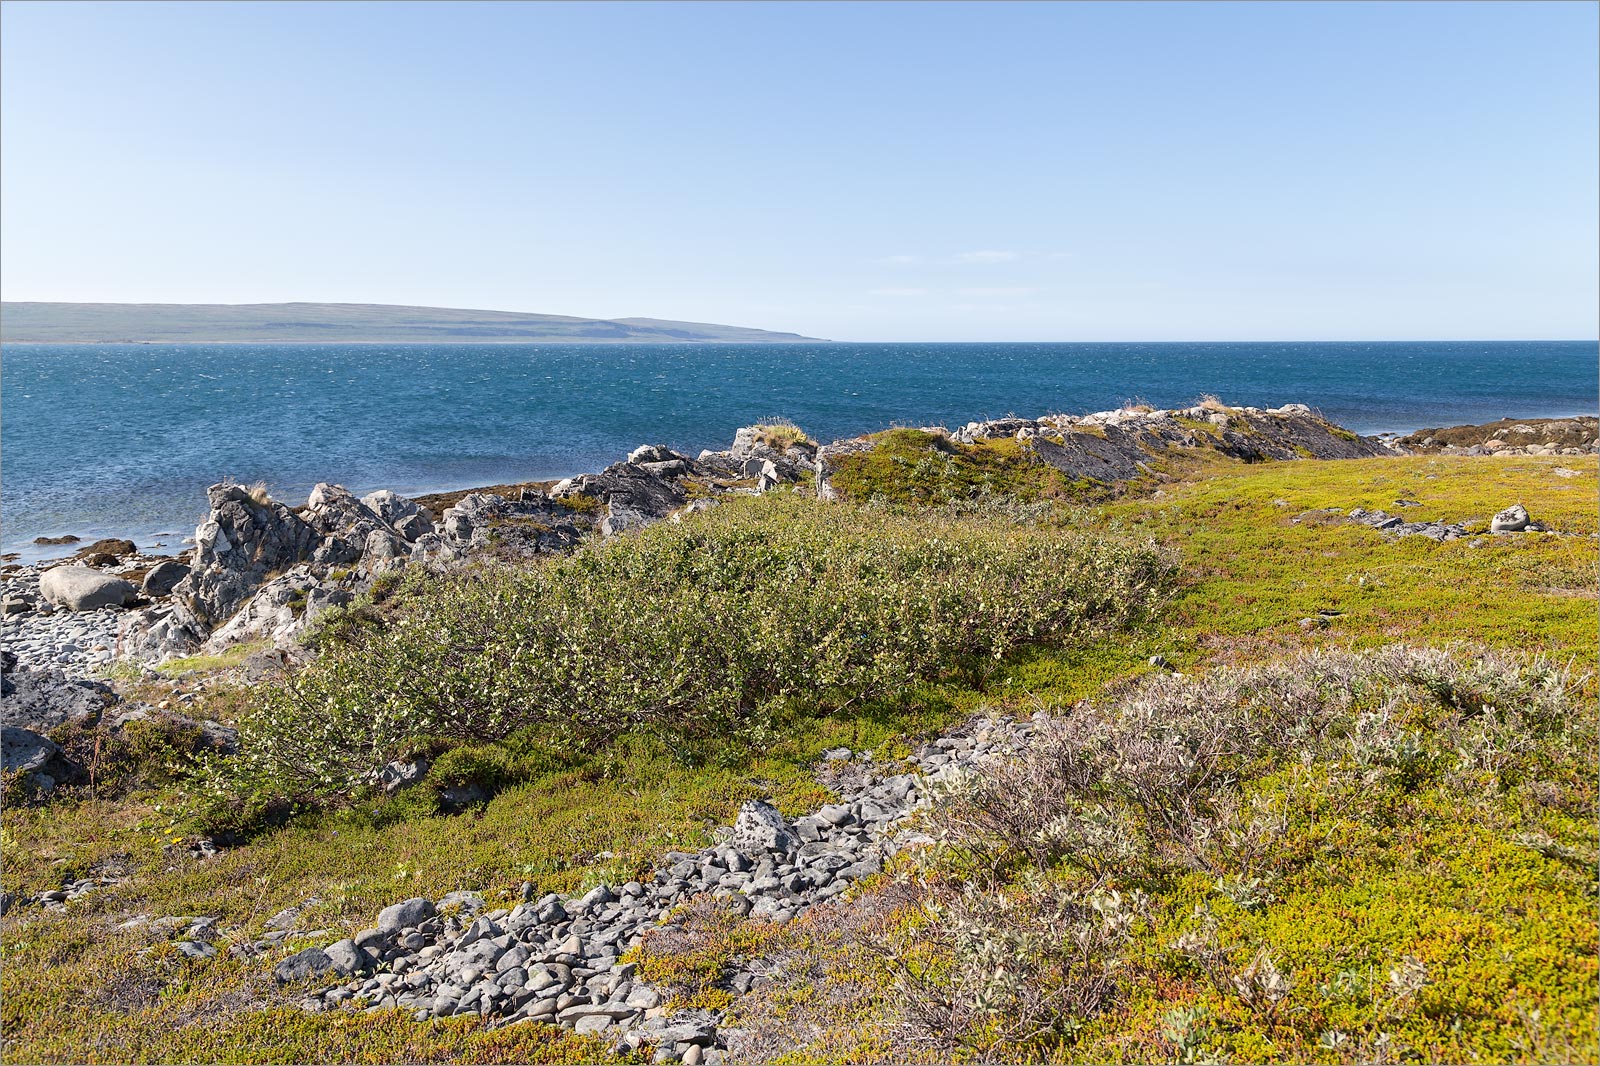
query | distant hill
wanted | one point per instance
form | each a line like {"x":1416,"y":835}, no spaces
{"x":296,"y":323}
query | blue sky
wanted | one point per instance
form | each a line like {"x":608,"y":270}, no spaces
{"x":859,"y":171}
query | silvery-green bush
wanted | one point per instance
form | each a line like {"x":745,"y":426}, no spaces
{"x":692,"y":628}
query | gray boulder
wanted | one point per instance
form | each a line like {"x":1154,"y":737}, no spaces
{"x":334,"y":511}
{"x":1513,"y":519}
{"x":760,"y":827}
{"x":41,"y":700}
{"x":78,"y":588}
{"x":312,"y":962}
{"x":164,"y":577}
{"x":532,"y":525}
{"x":159,"y":633}
{"x":384,"y":551}
{"x":24,"y":751}
{"x":346,"y":957}
{"x":413,"y":527}
{"x":391,"y":508}
{"x":279,"y":609}
{"x":407,"y":914}
{"x":402,"y":774}
{"x":653,"y":453}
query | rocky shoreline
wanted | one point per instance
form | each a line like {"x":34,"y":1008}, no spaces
{"x":261,"y":571}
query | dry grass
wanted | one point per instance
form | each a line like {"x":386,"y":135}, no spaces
{"x":781,"y":434}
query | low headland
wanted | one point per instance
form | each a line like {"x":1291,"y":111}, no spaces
{"x":1147,"y":735}
{"x":25,"y":322}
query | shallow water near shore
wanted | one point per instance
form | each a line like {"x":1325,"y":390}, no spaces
{"x":123,"y":439}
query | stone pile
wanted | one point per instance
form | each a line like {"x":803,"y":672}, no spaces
{"x":1399,"y":527}
{"x":556,"y":960}
{"x":1513,"y":519}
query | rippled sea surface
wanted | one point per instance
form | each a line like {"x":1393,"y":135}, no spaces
{"x":123,"y":439}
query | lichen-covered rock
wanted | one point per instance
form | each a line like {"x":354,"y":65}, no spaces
{"x":335,"y":512}
{"x":301,"y":966}
{"x":761,"y":828}
{"x":1513,"y":519}
{"x":532,"y":525}
{"x":22,"y":751}
{"x":407,"y":914}
{"x":279,"y":610}
{"x":393,"y":510}
{"x":1122,"y":445}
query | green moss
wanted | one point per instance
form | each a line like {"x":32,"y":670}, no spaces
{"x":589,"y":505}
{"x":1254,"y":572}
{"x":913,"y":467}
{"x":208,"y":664}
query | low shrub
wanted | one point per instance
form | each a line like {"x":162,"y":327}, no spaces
{"x":1269,"y":835}
{"x":689,"y":630}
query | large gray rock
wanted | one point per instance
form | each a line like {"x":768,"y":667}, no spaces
{"x":384,"y":551}
{"x":761,"y":828}
{"x":533,"y":525}
{"x":312,"y":962}
{"x":393,"y":509}
{"x":164,"y":577}
{"x":334,"y":511}
{"x":78,"y":588}
{"x":160,"y":633}
{"x":279,"y":610}
{"x":346,"y":957}
{"x":1513,"y":519}
{"x":24,"y":751}
{"x":403,"y":773}
{"x":407,"y":914}
{"x":633,"y":495}
{"x":44,"y":699}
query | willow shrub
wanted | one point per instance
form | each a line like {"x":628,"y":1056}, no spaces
{"x":692,"y":629}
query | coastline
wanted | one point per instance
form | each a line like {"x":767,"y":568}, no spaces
{"x":173,"y":537}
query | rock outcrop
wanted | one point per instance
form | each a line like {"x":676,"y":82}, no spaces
{"x":262,"y":571}
{"x":1526,"y":436}
{"x":1122,"y":445}
{"x":242,"y":541}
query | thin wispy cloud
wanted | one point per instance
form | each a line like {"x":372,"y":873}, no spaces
{"x":995,"y":293}
{"x":979,"y":258}
{"x":986,"y":256}
{"x":897,"y":292}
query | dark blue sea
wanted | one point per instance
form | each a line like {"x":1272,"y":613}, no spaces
{"x":123,"y":439}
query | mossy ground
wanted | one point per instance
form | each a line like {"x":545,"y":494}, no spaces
{"x":911,"y":466}
{"x":1445,"y":884}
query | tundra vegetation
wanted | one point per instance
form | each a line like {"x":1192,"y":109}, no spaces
{"x":1353,"y":821}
